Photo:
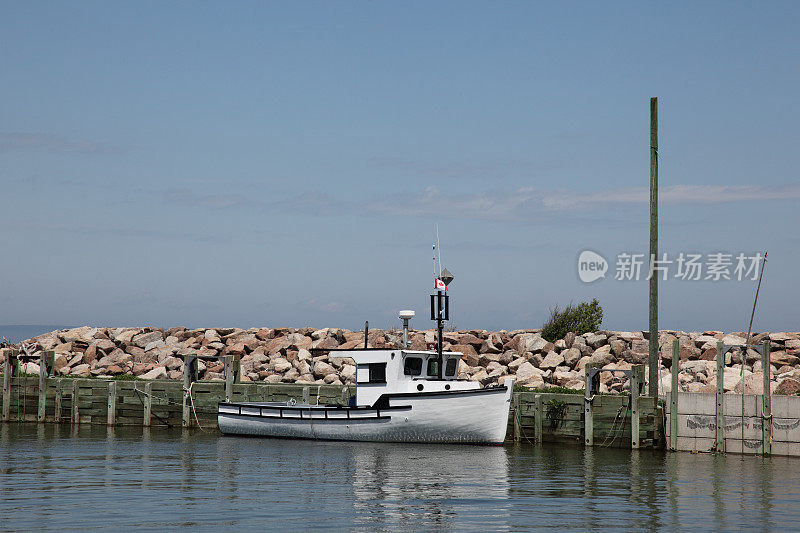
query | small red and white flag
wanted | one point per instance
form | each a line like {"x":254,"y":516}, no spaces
{"x":439,"y":285}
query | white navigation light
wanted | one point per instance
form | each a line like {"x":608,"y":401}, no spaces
{"x":406,"y":315}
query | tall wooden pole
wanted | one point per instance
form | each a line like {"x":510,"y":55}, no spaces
{"x":653,"y":247}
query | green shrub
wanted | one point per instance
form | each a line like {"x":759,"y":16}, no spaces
{"x":580,"y":319}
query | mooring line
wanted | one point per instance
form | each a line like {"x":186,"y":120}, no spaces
{"x":138,"y":395}
{"x":191,"y":402}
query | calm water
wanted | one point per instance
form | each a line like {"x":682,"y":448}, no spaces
{"x":21,"y":333}
{"x":58,"y":477}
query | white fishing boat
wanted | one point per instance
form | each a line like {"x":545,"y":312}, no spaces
{"x":399,"y":398}
{"x":402,"y":395}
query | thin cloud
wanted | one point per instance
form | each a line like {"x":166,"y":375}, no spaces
{"x":431,"y":201}
{"x":675,"y":194}
{"x":190,"y":198}
{"x":450,"y":170}
{"x":46,"y":142}
{"x":522,"y":204}
{"x":325,"y":306}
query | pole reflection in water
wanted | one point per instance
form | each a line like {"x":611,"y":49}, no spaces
{"x":421,"y":486}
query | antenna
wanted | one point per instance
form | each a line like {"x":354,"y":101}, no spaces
{"x":439,"y":247}
{"x":434,"y":261}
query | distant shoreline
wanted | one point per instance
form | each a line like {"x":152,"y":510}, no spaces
{"x":20,"y":332}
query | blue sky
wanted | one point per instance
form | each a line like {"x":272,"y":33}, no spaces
{"x":254,"y":163}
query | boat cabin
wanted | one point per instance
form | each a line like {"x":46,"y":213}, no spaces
{"x":390,"y":371}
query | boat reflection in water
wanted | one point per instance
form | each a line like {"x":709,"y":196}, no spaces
{"x":420,"y":486}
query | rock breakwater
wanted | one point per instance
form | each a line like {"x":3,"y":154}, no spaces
{"x":298,"y":355}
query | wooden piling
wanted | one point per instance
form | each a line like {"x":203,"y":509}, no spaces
{"x":537,"y":417}
{"x":517,"y":414}
{"x":766,"y":414}
{"x":7,"y":372}
{"x":588,"y":398}
{"x":112,"y":403}
{"x":233,"y":371}
{"x":76,"y":419}
{"x":45,"y":369}
{"x":148,"y":403}
{"x":59,"y":399}
{"x":637,"y":377}
{"x":673,"y":398}
{"x":189,"y":377}
{"x":719,"y":413}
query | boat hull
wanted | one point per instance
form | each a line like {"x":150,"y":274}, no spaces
{"x":477,"y":416}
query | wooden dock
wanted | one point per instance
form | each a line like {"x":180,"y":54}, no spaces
{"x":534,"y":417}
{"x":560,"y":418}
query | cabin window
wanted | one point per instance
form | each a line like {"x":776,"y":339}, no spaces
{"x":377,"y":373}
{"x":450,"y":369}
{"x":412,"y":366}
{"x":433,"y":367}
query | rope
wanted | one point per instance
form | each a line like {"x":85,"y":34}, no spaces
{"x":191,"y":402}
{"x":619,"y":430}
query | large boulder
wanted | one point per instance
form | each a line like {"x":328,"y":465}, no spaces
{"x":551,"y":361}
{"x":526,"y":373}
{"x":325,"y":343}
{"x":516,"y":363}
{"x":158,"y":372}
{"x":582,"y":362}
{"x":596,"y":340}
{"x":602,"y":355}
{"x":281,"y":365}
{"x":126,"y":336}
{"x":571,"y":356}
{"x":788,"y":386}
{"x":211,"y":335}
{"x":467,"y":338}
{"x":106,"y":345}
{"x":752,"y":384}
{"x":117,"y":357}
{"x":527,"y":342}
{"x":733,"y":340}
{"x":64,"y":347}
{"x":780,"y":358}
{"x":322,"y":369}
{"x":561,"y":377}
{"x":569,"y":338}
{"x":487,"y":358}
{"x":81,"y":370}
{"x":730,"y":379}
{"x":348,"y":373}
{"x":60,"y":362}
{"x":618,"y":347}
{"x":466,"y":349}
{"x":158,"y":343}
{"x":82,"y":334}
{"x":143,"y":339}
{"x":491,"y":345}
{"x":701,"y":340}
{"x":278,"y":344}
